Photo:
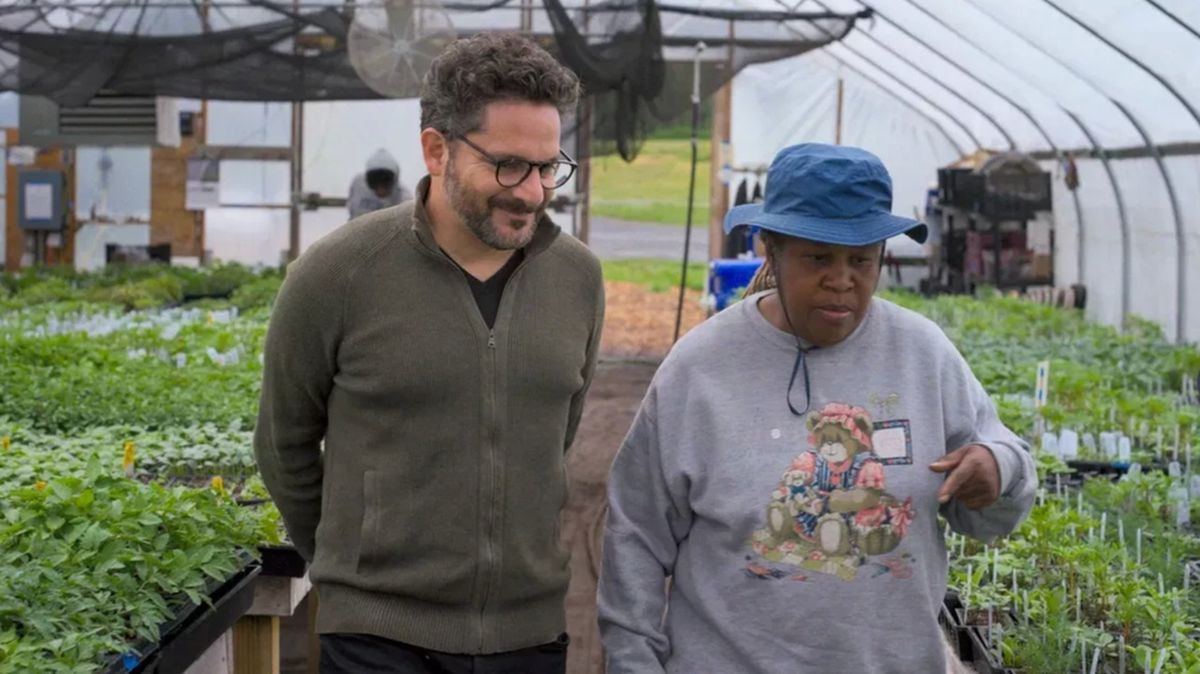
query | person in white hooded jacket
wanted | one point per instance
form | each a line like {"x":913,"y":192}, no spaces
{"x":378,"y":187}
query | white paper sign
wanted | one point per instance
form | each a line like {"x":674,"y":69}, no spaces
{"x":21,"y":155}
{"x":891,"y":444}
{"x":39,"y":201}
{"x":203,"y":184}
{"x":1125,"y":450}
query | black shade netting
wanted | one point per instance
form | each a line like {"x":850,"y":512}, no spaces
{"x":634,"y":56}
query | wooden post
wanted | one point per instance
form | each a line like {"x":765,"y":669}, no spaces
{"x":837,"y":132}
{"x":297,"y":167}
{"x":583,"y":176}
{"x":583,"y":153}
{"x":170,"y":221}
{"x":314,"y":640}
{"x":14,"y":238}
{"x":256,"y":645}
{"x":722,"y":123}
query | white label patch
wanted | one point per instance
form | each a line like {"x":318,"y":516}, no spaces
{"x":892,"y":442}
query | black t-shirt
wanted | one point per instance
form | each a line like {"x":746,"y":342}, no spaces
{"x":487,"y":293}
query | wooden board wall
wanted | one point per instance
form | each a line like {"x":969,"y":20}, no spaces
{"x":170,"y":221}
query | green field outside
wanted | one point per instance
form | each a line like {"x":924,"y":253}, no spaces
{"x":654,"y":188}
{"x":657,"y":275}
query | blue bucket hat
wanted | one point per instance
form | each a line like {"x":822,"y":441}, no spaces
{"x":830,"y":194}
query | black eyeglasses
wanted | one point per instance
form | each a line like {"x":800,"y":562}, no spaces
{"x":511,"y":172}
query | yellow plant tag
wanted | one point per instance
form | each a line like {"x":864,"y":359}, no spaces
{"x":218,"y":484}
{"x":5,"y":443}
{"x":127,"y":463}
{"x":211,"y":318}
{"x":39,"y":485}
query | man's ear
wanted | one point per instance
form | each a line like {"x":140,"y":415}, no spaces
{"x":436,"y":151}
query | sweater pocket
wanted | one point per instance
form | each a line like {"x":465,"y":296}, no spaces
{"x":413,"y":543}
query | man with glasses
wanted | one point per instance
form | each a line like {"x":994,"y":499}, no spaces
{"x":441,"y":349}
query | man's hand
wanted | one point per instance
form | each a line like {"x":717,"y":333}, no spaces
{"x":973,"y":476}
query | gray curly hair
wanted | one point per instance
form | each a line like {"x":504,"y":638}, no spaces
{"x":489,"y":67}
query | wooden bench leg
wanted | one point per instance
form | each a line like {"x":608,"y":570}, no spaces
{"x":256,"y":645}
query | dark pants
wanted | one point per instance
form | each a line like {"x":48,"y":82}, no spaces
{"x":367,"y":654}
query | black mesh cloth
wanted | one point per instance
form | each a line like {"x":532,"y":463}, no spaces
{"x":634,"y":57}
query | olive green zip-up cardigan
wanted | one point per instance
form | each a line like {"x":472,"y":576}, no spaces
{"x":432,"y":515}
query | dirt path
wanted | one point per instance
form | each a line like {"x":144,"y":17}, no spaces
{"x":616,"y":392}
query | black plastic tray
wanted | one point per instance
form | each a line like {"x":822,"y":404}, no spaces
{"x":185,"y":638}
{"x":969,"y":640}
{"x":282,"y":560}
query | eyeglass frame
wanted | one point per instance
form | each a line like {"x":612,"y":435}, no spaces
{"x":530,"y":165}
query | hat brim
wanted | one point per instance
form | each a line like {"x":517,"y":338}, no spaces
{"x":849,"y":232}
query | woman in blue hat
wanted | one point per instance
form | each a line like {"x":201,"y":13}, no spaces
{"x":789,"y":463}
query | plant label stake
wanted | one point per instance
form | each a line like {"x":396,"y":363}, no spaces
{"x":1121,"y":654}
{"x":970,"y":582}
{"x":995,"y":563}
{"x":1162,"y":660}
{"x":1043,"y":384}
{"x":1103,"y":526}
{"x":1139,"y":546}
{"x":1095,"y":661}
{"x":991,"y":639}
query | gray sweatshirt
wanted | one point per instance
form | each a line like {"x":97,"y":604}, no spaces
{"x":796,"y":544}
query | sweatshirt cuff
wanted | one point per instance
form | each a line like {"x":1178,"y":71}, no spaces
{"x":1009,"y":463}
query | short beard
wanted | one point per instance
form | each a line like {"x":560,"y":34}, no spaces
{"x":478,"y":218}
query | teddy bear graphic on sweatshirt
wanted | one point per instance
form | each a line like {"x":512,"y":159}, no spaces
{"x":831,"y":510}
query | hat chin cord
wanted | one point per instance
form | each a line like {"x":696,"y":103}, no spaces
{"x":801,"y":352}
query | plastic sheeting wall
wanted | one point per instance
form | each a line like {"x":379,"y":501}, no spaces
{"x":917,"y":122}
